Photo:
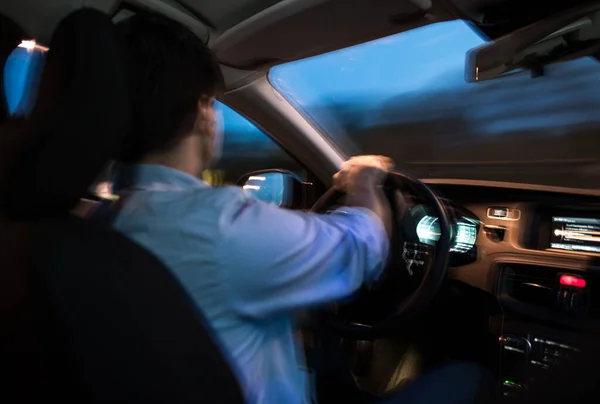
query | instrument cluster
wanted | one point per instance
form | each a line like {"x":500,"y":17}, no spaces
{"x":464,"y":229}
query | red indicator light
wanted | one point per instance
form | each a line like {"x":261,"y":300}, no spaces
{"x":569,"y":280}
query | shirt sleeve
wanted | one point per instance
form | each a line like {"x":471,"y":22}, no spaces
{"x":278,"y":260}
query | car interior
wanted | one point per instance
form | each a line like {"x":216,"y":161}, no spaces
{"x":503,"y":274}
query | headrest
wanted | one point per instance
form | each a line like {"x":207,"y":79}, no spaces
{"x":78,"y":123}
{"x":10,"y":36}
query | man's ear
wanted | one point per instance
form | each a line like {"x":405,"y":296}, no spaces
{"x":206,"y":116}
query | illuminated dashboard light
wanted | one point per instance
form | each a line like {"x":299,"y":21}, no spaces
{"x":466,"y":235}
{"x":573,"y":281}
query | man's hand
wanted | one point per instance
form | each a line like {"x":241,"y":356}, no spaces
{"x":361,"y":179}
{"x":362,"y":173}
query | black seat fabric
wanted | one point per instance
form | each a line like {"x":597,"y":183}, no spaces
{"x":87,"y":315}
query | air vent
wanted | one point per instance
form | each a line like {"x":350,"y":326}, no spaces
{"x":530,"y":284}
{"x":536,"y":291}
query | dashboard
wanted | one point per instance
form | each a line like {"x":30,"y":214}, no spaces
{"x":536,"y":258}
{"x":499,"y":223}
{"x":521,"y":245}
{"x":569,"y":231}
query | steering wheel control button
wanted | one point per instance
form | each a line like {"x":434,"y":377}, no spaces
{"x":503,"y":213}
{"x":414,"y":255}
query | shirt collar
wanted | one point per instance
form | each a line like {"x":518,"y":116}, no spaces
{"x":136,"y":176}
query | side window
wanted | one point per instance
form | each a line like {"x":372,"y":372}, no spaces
{"x":21,"y":74}
{"x":246,"y":148}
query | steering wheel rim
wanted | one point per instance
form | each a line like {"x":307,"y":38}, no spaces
{"x":433,"y":278}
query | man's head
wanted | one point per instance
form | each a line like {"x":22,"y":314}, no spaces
{"x":174,"y":79}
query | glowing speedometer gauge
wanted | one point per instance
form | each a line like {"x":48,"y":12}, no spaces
{"x":463,"y":232}
{"x":466,"y":234}
{"x":428,"y":230}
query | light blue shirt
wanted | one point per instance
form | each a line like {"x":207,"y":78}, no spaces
{"x":250,"y":266}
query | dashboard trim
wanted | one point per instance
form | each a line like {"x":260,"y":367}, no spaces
{"x":576,"y":253}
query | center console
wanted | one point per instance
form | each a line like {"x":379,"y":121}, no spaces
{"x":539,"y":255}
{"x":546,"y":310}
{"x":522,"y":358}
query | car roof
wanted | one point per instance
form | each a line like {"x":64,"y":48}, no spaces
{"x":257,"y":34}
{"x":253,"y":34}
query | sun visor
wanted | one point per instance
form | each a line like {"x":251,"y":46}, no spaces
{"x":22,"y":74}
{"x":294,"y":30}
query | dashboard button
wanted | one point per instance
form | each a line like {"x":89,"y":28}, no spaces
{"x":498,"y":212}
{"x":503,"y":213}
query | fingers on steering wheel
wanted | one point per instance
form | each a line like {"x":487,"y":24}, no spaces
{"x":338,"y":181}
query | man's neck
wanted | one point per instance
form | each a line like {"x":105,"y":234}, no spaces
{"x":181,"y":164}
{"x":184,"y":158}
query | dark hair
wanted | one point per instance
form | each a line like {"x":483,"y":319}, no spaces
{"x":170,"y":70}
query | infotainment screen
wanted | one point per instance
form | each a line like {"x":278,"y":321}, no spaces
{"x":575,"y":234}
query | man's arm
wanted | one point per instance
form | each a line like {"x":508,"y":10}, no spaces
{"x":278,"y":260}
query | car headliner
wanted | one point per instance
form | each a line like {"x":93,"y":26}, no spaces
{"x":254,"y":34}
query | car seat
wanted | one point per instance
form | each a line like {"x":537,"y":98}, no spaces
{"x":86,"y":314}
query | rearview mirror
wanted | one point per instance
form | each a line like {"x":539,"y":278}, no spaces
{"x":569,"y":35}
{"x":277,"y":187}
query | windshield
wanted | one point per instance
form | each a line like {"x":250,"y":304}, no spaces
{"x":405,"y":96}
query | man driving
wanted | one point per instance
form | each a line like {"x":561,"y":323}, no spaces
{"x":248,"y":266}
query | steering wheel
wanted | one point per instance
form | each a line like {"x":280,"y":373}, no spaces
{"x":414,"y":272}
